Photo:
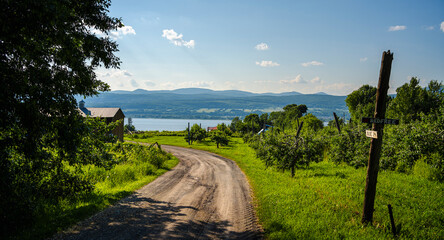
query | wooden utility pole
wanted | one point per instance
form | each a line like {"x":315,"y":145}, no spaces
{"x":375,"y":147}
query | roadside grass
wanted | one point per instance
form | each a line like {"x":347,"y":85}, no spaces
{"x":110,"y":186}
{"x":324,"y":201}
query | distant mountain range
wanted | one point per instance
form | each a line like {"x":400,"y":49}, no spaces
{"x":200,"y":103}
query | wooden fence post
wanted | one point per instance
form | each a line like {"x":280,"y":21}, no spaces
{"x":392,"y":220}
{"x":337,"y":122}
{"x":189,"y":140}
{"x":376,"y":143}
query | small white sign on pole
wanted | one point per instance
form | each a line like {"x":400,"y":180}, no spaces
{"x":371,"y":134}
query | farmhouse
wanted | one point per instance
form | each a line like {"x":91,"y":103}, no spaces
{"x":109,"y":114}
{"x":209,"y":129}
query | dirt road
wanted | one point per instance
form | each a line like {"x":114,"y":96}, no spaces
{"x":205,"y":196}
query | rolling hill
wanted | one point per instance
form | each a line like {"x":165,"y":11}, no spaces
{"x":198,"y":103}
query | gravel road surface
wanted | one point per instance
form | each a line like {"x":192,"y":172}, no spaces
{"x":205,"y":196}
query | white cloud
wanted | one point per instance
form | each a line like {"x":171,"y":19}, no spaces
{"x":267,"y":64}
{"x":429,"y":28}
{"x":312,"y":63}
{"x":397,"y":28}
{"x":126,"y":30}
{"x":364,"y":59}
{"x":119,"y":33}
{"x":176,"y":39}
{"x":117,"y":79}
{"x":114,"y":73}
{"x":442,"y":26}
{"x":261,"y":46}
{"x":315,"y":80}
{"x":297,"y":79}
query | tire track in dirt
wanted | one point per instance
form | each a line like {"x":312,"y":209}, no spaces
{"x":205,"y":196}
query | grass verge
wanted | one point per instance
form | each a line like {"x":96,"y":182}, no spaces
{"x":325,"y":200}
{"x":140,"y":167}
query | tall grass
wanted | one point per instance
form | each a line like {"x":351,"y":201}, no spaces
{"x":325,"y":200}
{"x":138,"y":166}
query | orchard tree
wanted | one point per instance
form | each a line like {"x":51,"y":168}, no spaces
{"x":48,"y":54}
{"x":196,"y":133}
{"x":235,"y":125}
{"x":252,"y":123}
{"x":361,"y":103}
{"x":411,"y":100}
{"x":220,"y":137}
{"x":222,"y":127}
{"x":312,"y":122}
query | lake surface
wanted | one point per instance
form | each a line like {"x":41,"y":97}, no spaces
{"x":158,"y":124}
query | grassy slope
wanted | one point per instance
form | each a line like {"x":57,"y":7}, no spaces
{"x":325,"y":200}
{"x":55,"y":218}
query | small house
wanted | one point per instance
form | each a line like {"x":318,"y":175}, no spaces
{"x":209,"y":129}
{"x":109,"y":114}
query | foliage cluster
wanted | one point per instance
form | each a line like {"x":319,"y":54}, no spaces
{"x":287,"y":151}
{"x":196,"y":133}
{"x":48,"y":53}
{"x":416,"y":145}
{"x":136,"y":165}
{"x":221,"y":136}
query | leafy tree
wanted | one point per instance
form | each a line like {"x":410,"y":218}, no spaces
{"x":252,"y":123}
{"x":130,"y":128}
{"x":235,"y":125}
{"x":361,"y":103}
{"x":220,"y":137}
{"x":48,"y":54}
{"x":285,"y":119}
{"x":332,"y":123}
{"x":285,"y":151}
{"x":222,"y":127}
{"x":411,"y":100}
{"x":196,"y":133}
{"x":264,"y":119}
{"x":311,"y":121}
{"x":277,"y":119}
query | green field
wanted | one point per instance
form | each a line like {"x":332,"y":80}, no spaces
{"x":325,"y":200}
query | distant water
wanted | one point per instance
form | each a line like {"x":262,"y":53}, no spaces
{"x":153,"y":124}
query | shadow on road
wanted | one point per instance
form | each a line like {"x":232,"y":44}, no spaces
{"x":139,"y":217}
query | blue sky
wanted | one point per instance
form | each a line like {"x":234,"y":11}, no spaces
{"x":275,"y":46}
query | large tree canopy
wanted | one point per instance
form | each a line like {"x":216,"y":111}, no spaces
{"x":48,"y":54}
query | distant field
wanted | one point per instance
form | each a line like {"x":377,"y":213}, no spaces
{"x":325,"y":200}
